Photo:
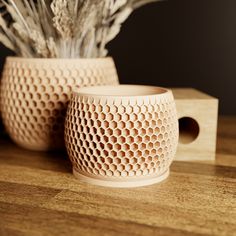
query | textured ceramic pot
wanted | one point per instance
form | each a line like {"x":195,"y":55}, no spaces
{"x":121,"y":136}
{"x":35,"y":94}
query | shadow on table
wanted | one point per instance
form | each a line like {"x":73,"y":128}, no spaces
{"x":11,"y":154}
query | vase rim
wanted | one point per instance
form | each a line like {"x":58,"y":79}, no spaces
{"x":123,"y":91}
{"x":16,"y":58}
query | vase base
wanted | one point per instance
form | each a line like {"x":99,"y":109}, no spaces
{"x":126,"y":183}
{"x":38,"y":147}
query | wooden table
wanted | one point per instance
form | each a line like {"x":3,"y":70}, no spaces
{"x":39,"y":196}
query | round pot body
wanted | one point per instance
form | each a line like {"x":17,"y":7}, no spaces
{"x":121,"y":136}
{"x":35,"y":94}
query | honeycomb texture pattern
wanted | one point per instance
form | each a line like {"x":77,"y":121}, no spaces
{"x":119,"y":139}
{"x":35,"y":95}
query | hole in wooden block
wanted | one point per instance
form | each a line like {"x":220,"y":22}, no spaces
{"x":188,"y":130}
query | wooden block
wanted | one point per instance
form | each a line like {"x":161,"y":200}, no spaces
{"x":198,"y":115}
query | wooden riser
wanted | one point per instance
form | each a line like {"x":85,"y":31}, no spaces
{"x":198,"y":129}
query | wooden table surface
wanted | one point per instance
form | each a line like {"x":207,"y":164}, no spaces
{"x":39,"y":196}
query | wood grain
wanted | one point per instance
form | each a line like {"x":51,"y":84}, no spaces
{"x":39,"y":196}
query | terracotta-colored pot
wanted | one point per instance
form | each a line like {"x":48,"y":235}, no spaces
{"x":121,"y":136}
{"x":35,"y":95}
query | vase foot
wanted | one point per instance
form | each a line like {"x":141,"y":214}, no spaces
{"x":124,"y":183}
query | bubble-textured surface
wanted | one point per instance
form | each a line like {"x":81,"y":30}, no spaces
{"x":35,"y":95}
{"x":119,"y":139}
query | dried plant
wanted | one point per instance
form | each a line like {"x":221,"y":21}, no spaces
{"x":63,"y":28}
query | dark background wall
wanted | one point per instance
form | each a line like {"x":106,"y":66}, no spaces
{"x":180,"y":43}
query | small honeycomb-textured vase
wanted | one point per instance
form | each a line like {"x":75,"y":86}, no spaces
{"x":35,"y":95}
{"x":121,"y":136}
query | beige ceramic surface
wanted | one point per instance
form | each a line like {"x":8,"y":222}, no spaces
{"x":121,"y":136}
{"x":35,"y":94}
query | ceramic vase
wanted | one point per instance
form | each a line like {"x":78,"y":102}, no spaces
{"x":121,"y":136}
{"x":35,"y":95}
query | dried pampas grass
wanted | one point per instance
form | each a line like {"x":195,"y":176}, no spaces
{"x":63,"y":28}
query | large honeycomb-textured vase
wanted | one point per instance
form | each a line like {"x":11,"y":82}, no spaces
{"x":35,"y":95}
{"x":121,"y":136}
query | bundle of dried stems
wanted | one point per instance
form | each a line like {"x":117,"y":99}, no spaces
{"x":63,"y":28}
